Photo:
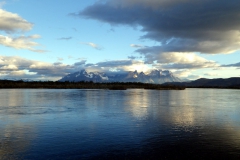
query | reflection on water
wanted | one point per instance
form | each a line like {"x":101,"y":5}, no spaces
{"x":129,"y":124}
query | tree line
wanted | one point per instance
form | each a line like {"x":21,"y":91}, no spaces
{"x":85,"y":85}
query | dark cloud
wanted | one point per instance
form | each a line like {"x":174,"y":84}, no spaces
{"x":206,"y":26}
{"x":132,"y":57}
{"x":232,"y":65}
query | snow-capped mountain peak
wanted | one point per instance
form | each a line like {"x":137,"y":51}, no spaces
{"x":156,"y":76}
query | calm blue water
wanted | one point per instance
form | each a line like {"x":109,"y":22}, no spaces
{"x":130,"y":124}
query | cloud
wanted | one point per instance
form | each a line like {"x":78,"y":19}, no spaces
{"x":21,"y":68}
{"x":212,"y":27}
{"x":22,"y":42}
{"x":178,"y":60}
{"x":10,"y":22}
{"x":136,"y":46}
{"x":118,"y":65}
{"x":65,"y":38}
{"x":93,"y":45}
{"x":132,"y":57}
{"x":15,"y":67}
{"x":182,"y":73}
{"x":232,"y":65}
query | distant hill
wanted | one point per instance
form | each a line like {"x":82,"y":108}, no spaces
{"x":156,"y":77}
{"x":233,"y":82}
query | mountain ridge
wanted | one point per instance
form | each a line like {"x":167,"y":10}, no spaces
{"x":155,"y":76}
{"x":233,"y":82}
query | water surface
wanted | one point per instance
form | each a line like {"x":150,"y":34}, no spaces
{"x":129,"y":124}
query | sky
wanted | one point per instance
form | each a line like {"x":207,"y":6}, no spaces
{"x":46,"y":40}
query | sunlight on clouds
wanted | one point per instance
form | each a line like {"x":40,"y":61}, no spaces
{"x":180,"y":57}
{"x":22,"y":42}
{"x":10,"y":22}
{"x":179,"y":60}
{"x":182,"y":73}
{"x":139,"y":66}
{"x":10,"y":67}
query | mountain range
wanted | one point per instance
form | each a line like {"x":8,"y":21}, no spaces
{"x":155,"y":76}
{"x":233,"y":82}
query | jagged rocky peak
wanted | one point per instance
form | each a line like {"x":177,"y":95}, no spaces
{"x":156,"y":73}
{"x":167,"y":73}
{"x":83,"y":71}
{"x":155,"y":76}
{"x":141,"y":74}
{"x":132,"y":74}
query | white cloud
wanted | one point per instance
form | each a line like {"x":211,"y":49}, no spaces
{"x":22,"y":42}
{"x":22,"y":68}
{"x":93,"y":45}
{"x":179,"y":60}
{"x":10,"y":22}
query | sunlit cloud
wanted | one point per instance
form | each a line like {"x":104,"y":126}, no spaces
{"x":22,"y":68}
{"x":22,"y":42}
{"x":10,"y":22}
{"x":175,"y":60}
{"x":183,"y":73}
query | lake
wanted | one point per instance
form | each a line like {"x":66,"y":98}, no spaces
{"x":124,"y":124}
